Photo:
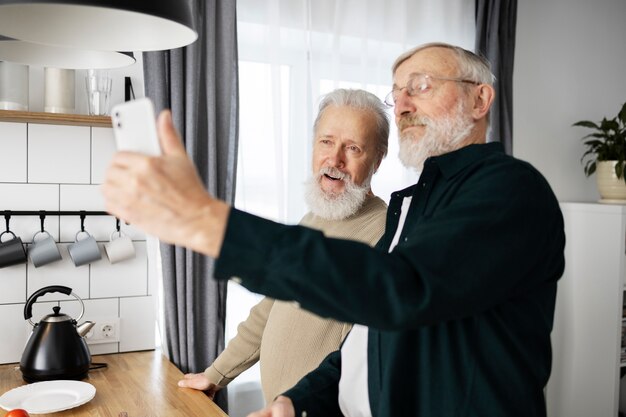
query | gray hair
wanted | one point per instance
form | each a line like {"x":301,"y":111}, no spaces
{"x":364,"y":100}
{"x":471,"y":66}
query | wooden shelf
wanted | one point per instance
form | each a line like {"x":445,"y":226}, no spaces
{"x":54,"y":118}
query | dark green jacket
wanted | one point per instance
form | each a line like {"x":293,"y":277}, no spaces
{"x":460,"y":312}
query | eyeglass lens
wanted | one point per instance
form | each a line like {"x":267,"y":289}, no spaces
{"x":419,"y":84}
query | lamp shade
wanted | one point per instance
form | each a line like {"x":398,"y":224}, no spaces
{"x":28,"y":53}
{"x":106,"y":25}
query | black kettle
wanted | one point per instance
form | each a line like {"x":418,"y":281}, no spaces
{"x":56,"y":348}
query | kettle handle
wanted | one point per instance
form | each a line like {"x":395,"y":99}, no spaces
{"x":28,"y":308}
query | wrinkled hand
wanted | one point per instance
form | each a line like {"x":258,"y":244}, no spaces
{"x":281,"y":407}
{"x":164,"y":196}
{"x":199,"y":382}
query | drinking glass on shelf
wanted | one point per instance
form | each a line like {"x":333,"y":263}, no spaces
{"x":98,"y":85}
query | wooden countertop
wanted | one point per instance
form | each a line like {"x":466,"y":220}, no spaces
{"x":142,"y":384}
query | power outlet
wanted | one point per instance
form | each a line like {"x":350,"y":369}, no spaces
{"x":106,"y":330}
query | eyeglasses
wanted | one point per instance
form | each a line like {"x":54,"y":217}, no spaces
{"x":421,"y":86}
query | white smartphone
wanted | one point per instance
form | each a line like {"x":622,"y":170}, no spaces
{"x":134,"y":127}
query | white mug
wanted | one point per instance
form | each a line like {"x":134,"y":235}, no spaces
{"x":120,"y":248}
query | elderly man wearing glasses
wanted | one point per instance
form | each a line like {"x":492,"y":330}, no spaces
{"x":454,"y":307}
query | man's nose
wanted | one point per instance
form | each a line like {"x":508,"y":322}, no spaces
{"x":336,"y":158}
{"x":404,"y":104}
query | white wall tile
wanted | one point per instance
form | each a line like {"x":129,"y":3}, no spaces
{"x":126,"y":278}
{"x":13,"y":145}
{"x":81,"y":197}
{"x":105,"y":307}
{"x":12,"y":325}
{"x":136,"y":323}
{"x":103,"y":349}
{"x":29,"y":197}
{"x":59,"y":154}
{"x":102,"y":150}
{"x":63,"y":273}
{"x":13,"y":284}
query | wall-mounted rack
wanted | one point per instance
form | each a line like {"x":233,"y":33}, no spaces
{"x":45,"y":213}
{"x":54,"y":213}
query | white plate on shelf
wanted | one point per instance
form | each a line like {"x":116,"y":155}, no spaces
{"x":48,"y":396}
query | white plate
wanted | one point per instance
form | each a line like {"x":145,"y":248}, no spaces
{"x":48,"y":396}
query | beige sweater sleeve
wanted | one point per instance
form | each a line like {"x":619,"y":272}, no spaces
{"x":243,"y":350}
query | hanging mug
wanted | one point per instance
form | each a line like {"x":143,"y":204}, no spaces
{"x":43,"y":251}
{"x":120,"y":248}
{"x":84,"y":251}
{"x":11,"y":251}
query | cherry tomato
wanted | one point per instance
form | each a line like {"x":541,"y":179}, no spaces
{"x":18,"y":412}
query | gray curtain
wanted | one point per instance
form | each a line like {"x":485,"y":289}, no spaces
{"x":199,"y":84}
{"x":495,"y":40}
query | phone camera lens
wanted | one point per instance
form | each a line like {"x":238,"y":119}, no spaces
{"x":119,"y":124}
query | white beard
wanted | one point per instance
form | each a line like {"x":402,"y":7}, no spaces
{"x":442,"y":136}
{"x":335,"y":206}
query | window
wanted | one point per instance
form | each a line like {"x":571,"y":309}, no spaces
{"x":291,"y":53}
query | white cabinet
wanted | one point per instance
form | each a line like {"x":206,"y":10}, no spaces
{"x":586,"y":339}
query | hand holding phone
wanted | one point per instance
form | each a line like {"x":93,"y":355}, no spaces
{"x":134,"y":127}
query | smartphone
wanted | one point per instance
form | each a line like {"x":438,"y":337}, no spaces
{"x":134,"y":127}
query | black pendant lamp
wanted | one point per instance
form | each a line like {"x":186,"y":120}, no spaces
{"x":28,"y":53}
{"x":106,"y":25}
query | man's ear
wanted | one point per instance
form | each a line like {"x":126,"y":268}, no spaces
{"x":483,"y":99}
{"x":380,"y":160}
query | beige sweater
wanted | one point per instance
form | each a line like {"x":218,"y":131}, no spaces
{"x":289,"y":341}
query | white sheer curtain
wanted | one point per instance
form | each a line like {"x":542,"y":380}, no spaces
{"x":293,"y":51}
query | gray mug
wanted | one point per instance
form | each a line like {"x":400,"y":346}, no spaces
{"x":84,"y":251}
{"x":44,"y":251}
{"x":11,"y":251}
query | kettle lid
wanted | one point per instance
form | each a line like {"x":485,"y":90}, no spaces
{"x":56,"y":317}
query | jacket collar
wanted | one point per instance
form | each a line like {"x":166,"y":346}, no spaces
{"x":452,"y":163}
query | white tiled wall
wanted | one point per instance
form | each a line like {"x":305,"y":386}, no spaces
{"x":52,"y":167}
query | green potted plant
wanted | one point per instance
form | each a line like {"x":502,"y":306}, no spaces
{"x":606,"y":155}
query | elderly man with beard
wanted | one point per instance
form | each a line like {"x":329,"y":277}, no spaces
{"x":454,"y":305}
{"x":350,"y":140}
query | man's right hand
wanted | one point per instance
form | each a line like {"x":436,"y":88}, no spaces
{"x":199,"y":382}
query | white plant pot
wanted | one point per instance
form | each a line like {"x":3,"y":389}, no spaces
{"x":612,"y":189}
